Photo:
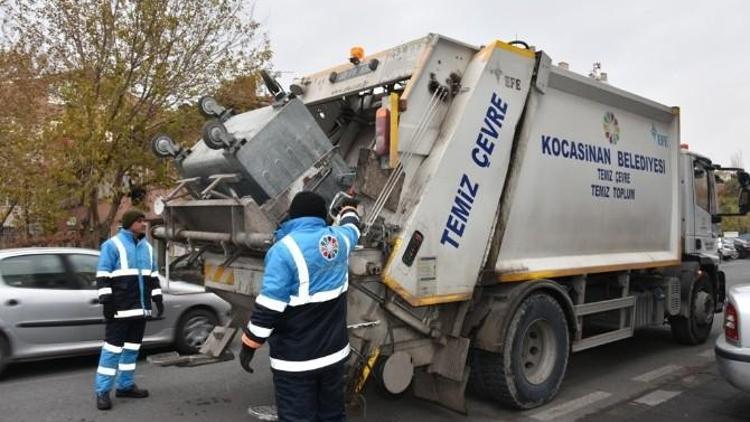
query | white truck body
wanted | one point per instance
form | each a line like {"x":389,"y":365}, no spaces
{"x":619,"y":199}
{"x":460,"y":183}
{"x":617,"y":195}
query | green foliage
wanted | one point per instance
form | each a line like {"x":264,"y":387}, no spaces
{"x":121,"y":71}
{"x":24,"y":141}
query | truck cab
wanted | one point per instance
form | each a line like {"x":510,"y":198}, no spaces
{"x":701,"y":183}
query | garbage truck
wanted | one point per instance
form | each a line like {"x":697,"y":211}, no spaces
{"x":514,"y":212}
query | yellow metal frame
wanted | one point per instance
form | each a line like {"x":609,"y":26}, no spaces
{"x":566,"y":272}
{"x":216,"y":274}
{"x":393,"y":148}
{"x":394,"y":285}
{"x":367,"y":370}
{"x":513,"y":49}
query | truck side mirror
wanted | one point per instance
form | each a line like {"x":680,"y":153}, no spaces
{"x":733,"y":191}
{"x":744,"y":179}
{"x":744,"y":201}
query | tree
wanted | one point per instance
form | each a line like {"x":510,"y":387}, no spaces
{"x":729,"y":193}
{"x":27,"y":156}
{"x":121,"y":69}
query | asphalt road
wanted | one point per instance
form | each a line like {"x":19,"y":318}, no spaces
{"x":648,"y":377}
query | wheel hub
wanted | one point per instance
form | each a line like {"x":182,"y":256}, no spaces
{"x":538,"y":352}
{"x":703,"y":308}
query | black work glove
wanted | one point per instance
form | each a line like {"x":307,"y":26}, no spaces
{"x":159,"y":308}
{"x":108,"y":310}
{"x":246,"y":355}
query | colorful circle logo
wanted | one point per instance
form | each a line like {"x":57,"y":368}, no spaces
{"x":329,"y":247}
{"x":611,"y":128}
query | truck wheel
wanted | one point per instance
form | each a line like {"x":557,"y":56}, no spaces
{"x":696,"y":328}
{"x":193,"y":330}
{"x":529,"y":371}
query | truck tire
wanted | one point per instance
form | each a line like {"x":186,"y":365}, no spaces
{"x":529,"y":371}
{"x":695,"y":328}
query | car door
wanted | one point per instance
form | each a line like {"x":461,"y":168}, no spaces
{"x":82,"y":267}
{"x":46,"y":304}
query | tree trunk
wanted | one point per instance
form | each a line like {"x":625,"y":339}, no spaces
{"x":92,"y":231}
{"x":106,"y":224}
{"x":101,"y":226}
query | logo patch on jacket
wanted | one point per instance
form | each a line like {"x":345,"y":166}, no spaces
{"x":329,"y":247}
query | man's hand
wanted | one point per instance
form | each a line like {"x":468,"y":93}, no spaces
{"x":348,"y":206}
{"x":108,"y":310}
{"x":348,"y":202}
{"x":246,"y":356}
{"x":340,"y":202}
{"x":159,"y":308}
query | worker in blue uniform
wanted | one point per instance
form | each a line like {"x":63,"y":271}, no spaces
{"x":301,"y":310}
{"x":127,"y":282}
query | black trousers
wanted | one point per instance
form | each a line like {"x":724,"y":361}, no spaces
{"x":119,"y":331}
{"x":313,"y":397}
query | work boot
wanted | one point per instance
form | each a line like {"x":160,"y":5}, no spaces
{"x":133,"y":392}
{"x":103,"y":402}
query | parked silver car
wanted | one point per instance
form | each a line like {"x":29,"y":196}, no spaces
{"x":726,"y":249}
{"x":742,"y":244}
{"x":733,"y":346}
{"x":49,"y":307}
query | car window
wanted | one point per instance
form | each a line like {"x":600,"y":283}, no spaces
{"x":84,"y":267}
{"x":43,"y":271}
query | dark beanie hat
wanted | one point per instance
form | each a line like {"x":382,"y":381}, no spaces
{"x":308,"y":204}
{"x":130,"y":216}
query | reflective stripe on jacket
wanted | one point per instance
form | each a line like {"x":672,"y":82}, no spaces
{"x":301,"y":309}
{"x":126,"y":275}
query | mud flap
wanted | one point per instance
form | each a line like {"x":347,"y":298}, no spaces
{"x":450,"y":360}
{"x":441,"y":390}
{"x":444,"y":381}
{"x":721,"y":293}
